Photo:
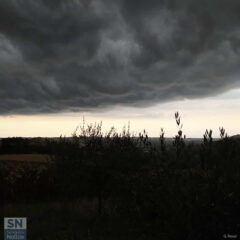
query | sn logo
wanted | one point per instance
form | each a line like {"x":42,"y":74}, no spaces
{"x":15,"y":223}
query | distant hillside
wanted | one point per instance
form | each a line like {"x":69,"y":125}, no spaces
{"x":236,"y":136}
{"x":18,"y":145}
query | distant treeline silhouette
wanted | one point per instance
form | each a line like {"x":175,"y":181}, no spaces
{"x":20,"y":145}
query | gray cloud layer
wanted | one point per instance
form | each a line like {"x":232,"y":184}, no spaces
{"x":83,"y":55}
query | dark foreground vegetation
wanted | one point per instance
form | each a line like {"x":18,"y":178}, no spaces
{"x":119,"y":186}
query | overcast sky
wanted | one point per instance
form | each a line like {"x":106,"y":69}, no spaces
{"x":115,"y":60}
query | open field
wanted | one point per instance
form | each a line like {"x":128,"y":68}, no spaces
{"x":33,"y":158}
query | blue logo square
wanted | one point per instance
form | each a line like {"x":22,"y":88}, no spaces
{"x":15,"y":228}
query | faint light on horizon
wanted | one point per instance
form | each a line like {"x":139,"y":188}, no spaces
{"x":197,"y":115}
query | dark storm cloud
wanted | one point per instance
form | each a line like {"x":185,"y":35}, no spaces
{"x":84,"y":55}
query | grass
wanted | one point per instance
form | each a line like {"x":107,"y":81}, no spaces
{"x":71,"y":220}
